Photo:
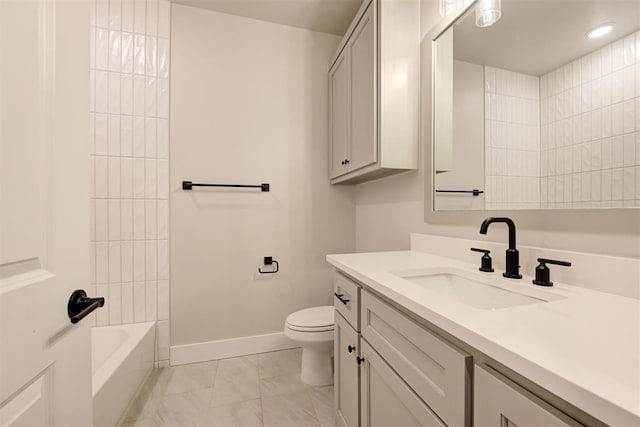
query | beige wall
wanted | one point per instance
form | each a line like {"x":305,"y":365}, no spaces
{"x":391,"y":208}
{"x":249,"y":105}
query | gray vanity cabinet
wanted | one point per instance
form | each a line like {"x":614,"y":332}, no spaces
{"x":499,"y":402}
{"x":346,"y":375}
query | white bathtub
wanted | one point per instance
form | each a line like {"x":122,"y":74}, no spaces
{"x":121,"y":358}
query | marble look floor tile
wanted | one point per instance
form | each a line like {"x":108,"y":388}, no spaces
{"x":186,"y":378}
{"x":183,"y":409}
{"x":280,"y":363}
{"x":146,"y":422}
{"x":284,"y":384}
{"x":236,"y":381}
{"x":322,"y":399}
{"x":243,"y":414}
{"x":288,"y":410}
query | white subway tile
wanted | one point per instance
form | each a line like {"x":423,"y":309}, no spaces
{"x":585,"y":155}
{"x":617,"y":119}
{"x":114,"y":177}
{"x":596,"y":124}
{"x":163,"y":299}
{"x":163,"y":98}
{"x":163,"y":219}
{"x":586,"y":97}
{"x":595,"y":186}
{"x":628,"y":83}
{"x":163,"y":259}
{"x":151,"y":56}
{"x":617,"y":150}
{"x":637,"y":119}
{"x":637,"y":184}
{"x":114,"y":93}
{"x":164,"y":18}
{"x":126,"y":94}
{"x":127,"y":302}
{"x":92,"y":90}
{"x":152,"y":17}
{"x":150,"y":138}
{"x":139,"y":302}
{"x":585,"y":63}
{"x":139,"y":54}
{"x":115,"y":304}
{"x":596,"y":93}
{"x":114,"y":135}
{"x":92,"y":263}
{"x":138,"y":136}
{"x":115,"y":14}
{"x":629,"y":184}
{"x":163,"y":179}
{"x":92,"y":47}
{"x":585,"y":127}
{"x":127,"y":52}
{"x":606,"y":184}
{"x":126,"y":136}
{"x":115,"y":52}
{"x":637,"y":149}
{"x":596,"y":64}
{"x":102,"y":315}
{"x":138,"y":260}
{"x":637,"y":78}
{"x":101,"y":49}
{"x":617,"y":86}
{"x":102,"y":91}
{"x":628,"y":116}
{"x":605,"y":56}
{"x":101,"y":134}
{"x":92,"y":176}
{"x":102,"y":13}
{"x":138,"y":178}
{"x":150,"y":221}
{"x":92,"y":220}
{"x":606,"y":130}
{"x":150,"y":184}
{"x":102,"y":262}
{"x":114,"y":220}
{"x":139,"y":83}
{"x":607,"y":153}
{"x":138,"y":220}
{"x":617,"y":55}
{"x":102,"y":176}
{"x":127,"y":15}
{"x":163,"y":138}
{"x":102,"y":219}
{"x":151,"y":267}
{"x":576,"y":187}
{"x":629,"y":50}
{"x":616,"y":184}
{"x":139,"y":18}
{"x":605,"y":90}
{"x":629,"y":150}
{"x":151,"y":300}
{"x":126,"y":220}
{"x":596,"y":155}
{"x":151,"y":97}
{"x":163,"y":59}
{"x":126,"y":177}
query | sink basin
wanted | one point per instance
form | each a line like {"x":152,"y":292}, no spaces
{"x":463,"y":287}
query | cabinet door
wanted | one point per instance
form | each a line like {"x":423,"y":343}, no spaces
{"x":339,"y":90}
{"x":499,"y":402}
{"x":385,"y":398}
{"x":346,"y":382}
{"x":362,"y":51}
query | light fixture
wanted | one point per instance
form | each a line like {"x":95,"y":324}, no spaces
{"x":450,"y":7}
{"x":600,"y":30}
{"x":488,"y":12}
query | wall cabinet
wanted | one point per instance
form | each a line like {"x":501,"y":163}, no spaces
{"x":373,"y":93}
{"x":391,"y":370}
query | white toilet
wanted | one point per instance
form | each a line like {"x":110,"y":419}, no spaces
{"x":312,"y":329}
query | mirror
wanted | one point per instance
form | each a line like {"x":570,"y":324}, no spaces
{"x":531,"y":113}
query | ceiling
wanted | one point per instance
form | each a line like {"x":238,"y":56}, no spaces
{"x":537,"y":36}
{"x":327,"y":16}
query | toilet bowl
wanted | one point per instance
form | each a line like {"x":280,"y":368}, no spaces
{"x":312,"y":329}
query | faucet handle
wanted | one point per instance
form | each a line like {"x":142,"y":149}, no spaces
{"x":485,"y":260}
{"x":543,"y":274}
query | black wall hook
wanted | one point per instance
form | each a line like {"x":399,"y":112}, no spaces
{"x":270,"y":261}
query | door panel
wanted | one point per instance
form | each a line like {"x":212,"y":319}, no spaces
{"x":339,"y":114}
{"x":346,"y":373}
{"x":45,"y":361}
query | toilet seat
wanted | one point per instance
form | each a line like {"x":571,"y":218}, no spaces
{"x":314,"y":319}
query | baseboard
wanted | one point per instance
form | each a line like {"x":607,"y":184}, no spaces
{"x":233,"y":347}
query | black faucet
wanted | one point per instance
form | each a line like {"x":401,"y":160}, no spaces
{"x":513,"y":257}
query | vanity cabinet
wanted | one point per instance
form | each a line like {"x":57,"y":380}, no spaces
{"x":373,"y":93}
{"x":346,"y":373}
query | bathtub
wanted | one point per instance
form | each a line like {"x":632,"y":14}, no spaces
{"x":121,"y":359}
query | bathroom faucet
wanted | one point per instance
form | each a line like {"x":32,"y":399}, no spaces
{"x":512,"y":255}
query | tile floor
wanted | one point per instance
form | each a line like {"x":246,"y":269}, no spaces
{"x":258,"y":390}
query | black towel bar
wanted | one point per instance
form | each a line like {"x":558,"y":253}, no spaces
{"x":188,"y":185}
{"x":475,"y":192}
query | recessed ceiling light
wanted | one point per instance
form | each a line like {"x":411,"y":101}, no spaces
{"x":600,"y":30}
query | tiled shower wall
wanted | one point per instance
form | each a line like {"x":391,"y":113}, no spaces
{"x":129,"y":115}
{"x":512,"y":140}
{"x":590,"y":133}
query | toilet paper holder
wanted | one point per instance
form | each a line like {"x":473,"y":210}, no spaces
{"x":270,"y":261}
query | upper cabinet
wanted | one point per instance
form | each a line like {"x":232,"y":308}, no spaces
{"x":374,"y":93}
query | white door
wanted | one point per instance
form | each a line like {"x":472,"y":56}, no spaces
{"x":45,"y":361}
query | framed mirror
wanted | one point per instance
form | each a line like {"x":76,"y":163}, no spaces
{"x":534,"y":112}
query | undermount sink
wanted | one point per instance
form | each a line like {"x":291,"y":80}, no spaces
{"x":463,"y":287}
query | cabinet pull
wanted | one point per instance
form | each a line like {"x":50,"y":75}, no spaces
{"x":359,"y":360}
{"x":340,"y":297}
{"x":351,"y":348}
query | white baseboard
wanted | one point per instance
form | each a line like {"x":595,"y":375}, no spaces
{"x":233,"y":347}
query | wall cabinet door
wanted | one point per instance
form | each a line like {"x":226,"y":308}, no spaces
{"x":385,"y":398}
{"x":363,"y":96}
{"x":499,"y":402}
{"x":346,"y":378}
{"x":339,"y":91}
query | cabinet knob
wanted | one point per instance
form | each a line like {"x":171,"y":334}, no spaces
{"x":359,"y":359}
{"x":346,"y":162}
{"x":342,"y":162}
{"x":351,"y":348}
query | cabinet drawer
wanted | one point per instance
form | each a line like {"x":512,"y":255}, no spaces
{"x":501,"y":402}
{"x":345,"y":349}
{"x":386,"y":400}
{"x":346,"y":299}
{"x":438,"y":372}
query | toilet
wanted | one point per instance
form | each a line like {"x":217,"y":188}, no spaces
{"x":312,"y":329}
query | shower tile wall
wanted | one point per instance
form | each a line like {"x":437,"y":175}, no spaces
{"x":590,"y":133}
{"x":129,"y":146}
{"x":512,"y":140}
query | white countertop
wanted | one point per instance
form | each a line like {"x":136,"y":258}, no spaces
{"x":584,"y":349}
